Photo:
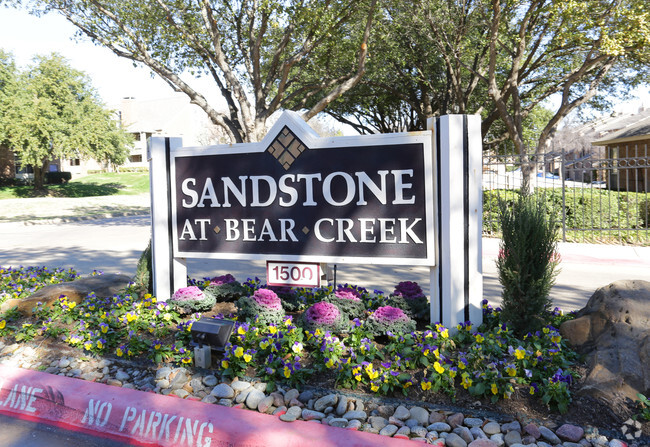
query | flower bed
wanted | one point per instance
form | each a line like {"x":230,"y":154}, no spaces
{"x":486,"y":362}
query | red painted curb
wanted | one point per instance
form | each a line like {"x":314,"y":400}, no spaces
{"x":148,"y":419}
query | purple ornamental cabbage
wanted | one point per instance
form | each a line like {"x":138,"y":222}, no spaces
{"x":191,"y":293}
{"x":322,"y":313}
{"x":409,"y":296}
{"x":267,"y":299}
{"x":389,"y":319}
{"x":191,"y":299}
{"x":262,"y":308}
{"x":348,"y":294}
{"x":225,"y":288}
{"x":408,"y":290}
{"x":221,"y":280}
{"x":389,"y":315}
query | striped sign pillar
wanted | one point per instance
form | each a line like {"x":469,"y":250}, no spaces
{"x":169,"y":273}
{"x":457,"y":277}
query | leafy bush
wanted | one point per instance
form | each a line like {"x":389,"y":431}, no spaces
{"x":389,"y":319}
{"x":526,"y":263}
{"x":325,"y":316}
{"x":225,"y":288}
{"x":188,"y":300}
{"x":144,"y":272}
{"x":264,"y":308}
{"x":57,"y":178}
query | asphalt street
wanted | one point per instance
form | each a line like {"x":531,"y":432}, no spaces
{"x":16,"y":432}
{"x":114,"y":245}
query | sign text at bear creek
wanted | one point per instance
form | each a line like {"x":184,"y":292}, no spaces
{"x":297,"y":196}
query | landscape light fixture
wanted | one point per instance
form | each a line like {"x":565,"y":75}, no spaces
{"x":212,"y":332}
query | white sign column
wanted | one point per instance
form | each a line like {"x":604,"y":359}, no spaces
{"x":169,"y":273}
{"x":457,"y":278}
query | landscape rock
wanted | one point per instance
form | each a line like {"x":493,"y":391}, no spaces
{"x":571,"y":433}
{"x":311,"y":415}
{"x":402,"y":413}
{"x":453,"y":440}
{"x":482,"y":443}
{"x":389,"y":430}
{"x":254,"y":398}
{"x":291,"y":415}
{"x":223,"y":391}
{"x":512,"y":437}
{"x":325,"y":401}
{"x":613,"y":331}
{"x":549,"y":436}
{"x":420,"y":414}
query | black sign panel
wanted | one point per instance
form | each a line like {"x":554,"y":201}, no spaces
{"x":291,"y":202}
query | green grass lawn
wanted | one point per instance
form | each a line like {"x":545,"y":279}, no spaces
{"x":107,"y":184}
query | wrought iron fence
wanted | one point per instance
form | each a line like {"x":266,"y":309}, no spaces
{"x":601,"y":196}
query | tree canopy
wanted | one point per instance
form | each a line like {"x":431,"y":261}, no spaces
{"x":519,"y":63}
{"x":382,"y":65}
{"x":256,"y":52}
{"x":51,"y":111}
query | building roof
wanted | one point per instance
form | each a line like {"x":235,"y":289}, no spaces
{"x":174,"y":116}
{"x":605,"y":125}
{"x":639,"y":130}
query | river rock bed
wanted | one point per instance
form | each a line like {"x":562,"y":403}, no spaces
{"x":426,"y":424}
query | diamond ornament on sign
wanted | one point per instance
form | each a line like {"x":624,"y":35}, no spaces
{"x":286,"y":147}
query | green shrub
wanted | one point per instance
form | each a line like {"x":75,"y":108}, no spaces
{"x":57,"y":178}
{"x":144,"y":272}
{"x":527,"y":262}
{"x":644,"y":212}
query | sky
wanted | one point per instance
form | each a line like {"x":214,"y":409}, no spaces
{"x":115,"y":78}
{"x":26,"y":36}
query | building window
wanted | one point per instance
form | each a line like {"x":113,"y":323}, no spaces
{"x":135,"y":158}
{"x":75,"y":162}
{"x":22,"y":169}
{"x":136,"y":136}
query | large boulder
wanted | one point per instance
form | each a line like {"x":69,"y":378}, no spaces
{"x":76,"y":291}
{"x":613,"y":331}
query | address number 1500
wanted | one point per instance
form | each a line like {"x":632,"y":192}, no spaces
{"x":294,"y":274}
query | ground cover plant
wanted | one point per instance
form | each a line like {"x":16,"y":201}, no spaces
{"x":487,"y":362}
